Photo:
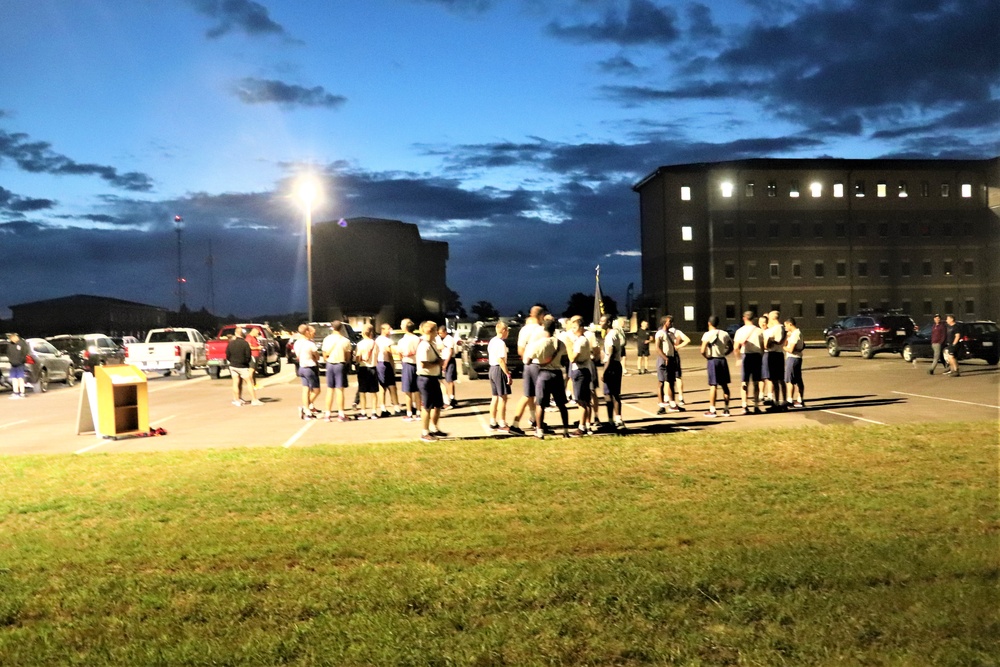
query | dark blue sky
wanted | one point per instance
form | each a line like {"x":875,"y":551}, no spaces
{"x":513,"y":129}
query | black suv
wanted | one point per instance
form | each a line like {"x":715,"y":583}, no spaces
{"x":869,"y":333}
{"x":476,"y":360}
{"x":977,"y":340}
{"x":89,"y":350}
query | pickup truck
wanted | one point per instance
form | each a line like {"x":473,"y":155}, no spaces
{"x":267,"y":358}
{"x":168,"y":350}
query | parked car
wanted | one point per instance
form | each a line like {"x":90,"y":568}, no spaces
{"x":979,"y":340}
{"x":267,"y":359}
{"x":45,"y":364}
{"x":89,"y":350}
{"x":475,"y":359}
{"x":170,"y":350}
{"x":869,"y":333}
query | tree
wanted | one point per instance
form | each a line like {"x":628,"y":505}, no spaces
{"x":583,"y":305}
{"x":453,"y":304}
{"x":484,"y":310}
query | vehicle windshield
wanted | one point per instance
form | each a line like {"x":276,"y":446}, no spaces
{"x":168,"y":337}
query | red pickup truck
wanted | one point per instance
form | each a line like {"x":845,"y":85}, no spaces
{"x":267,"y":359}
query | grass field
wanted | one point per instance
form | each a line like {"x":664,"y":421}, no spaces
{"x":822,"y":546}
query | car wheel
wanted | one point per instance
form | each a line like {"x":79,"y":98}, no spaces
{"x":43,"y":380}
{"x":832,"y":348}
{"x":994,"y":360}
{"x":866,"y":349}
{"x":71,"y":375}
{"x":188,"y":374}
{"x":213,"y":372}
{"x":907,"y":354}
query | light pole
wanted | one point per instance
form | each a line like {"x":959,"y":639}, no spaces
{"x":307,"y":194}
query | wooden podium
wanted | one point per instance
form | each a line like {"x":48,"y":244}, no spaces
{"x":121,"y":398}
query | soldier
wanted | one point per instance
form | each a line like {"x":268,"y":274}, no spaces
{"x":408,"y":373}
{"x":715,"y":346}
{"x":749,"y":344}
{"x":614,"y":343}
{"x":386,"y":370}
{"x":499,"y":375}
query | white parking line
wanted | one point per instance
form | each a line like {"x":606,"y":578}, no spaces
{"x":482,"y":422}
{"x":301,"y":432}
{"x":653,"y":414}
{"x":9,"y":424}
{"x":950,"y":400}
{"x":841,"y":414}
{"x":101,"y":441}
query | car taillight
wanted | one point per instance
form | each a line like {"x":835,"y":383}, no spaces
{"x":86,"y":354}
{"x":126,"y":352}
{"x":30,"y":360}
{"x":881,"y":330}
{"x":963,"y":339}
{"x":177,"y":350}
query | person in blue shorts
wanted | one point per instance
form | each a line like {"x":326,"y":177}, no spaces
{"x":308,"y":356}
{"x":496,"y":352}
{"x":749,"y":345}
{"x":793,"y":363}
{"x":429,"y":368}
{"x":337,"y":352}
{"x":17,"y":355}
{"x":715,"y":346}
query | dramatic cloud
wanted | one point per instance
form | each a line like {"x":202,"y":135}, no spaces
{"x":246,"y":16}
{"x":619,"y":65}
{"x":269,"y":91}
{"x":38,"y":157}
{"x":12,"y":203}
{"x":700,"y":23}
{"x":643,"y":22}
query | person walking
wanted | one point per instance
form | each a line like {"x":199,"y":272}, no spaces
{"x":793,"y":364}
{"x":952,"y":335}
{"x":239,"y":356}
{"x":308,"y":357}
{"x":749,"y":345}
{"x":614,"y":343}
{"x":715,"y":347}
{"x":17,"y":355}
{"x":499,"y":374}
{"x":429,"y":367}
{"x":939,"y":337}
{"x":366,"y":361}
{"x":407,"y":347}
{"x":643,"y":338}
{"x":337,"y":352}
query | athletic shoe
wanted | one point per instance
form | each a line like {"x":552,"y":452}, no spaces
{"x":798,"y":405}
{"x":439,"y":434}
{"x":255,"y":403}
{"x":725,"y":413}
{"x":343,"y":418}
{"x":674,"y":408}
{"x":620,"y":425}
{"x":374,"y":415}
{"x":538,"y":434}
{"x":572,"y":404}
{"x":756,"y":410}
{"x":503,"y":429}
{"x":409,"y":418}
{"x":238,"y":404}
{"x":711,"y":415}
{"x":681,"y":403}
{"x":361,"y":416}
{"x":947,"y":372}
{"x":661,"y":411}
{"x":516,"y":430}
{"x":454,"y":402}
{"x":494,"y":426}
{"x":930,"y":372}
{"x":427,"y":437}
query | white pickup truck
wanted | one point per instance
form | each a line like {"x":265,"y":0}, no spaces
{"x":169,"y":350}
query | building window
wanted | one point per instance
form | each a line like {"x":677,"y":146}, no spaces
{"x":970,"y":307}
{"x":907,"y":306}
{"x":796,"y":229}
{"x":819,"y":269}
{"x":772,"y":188}
{"x":796,"y":269}
{"x":727,"y":188}
{"x":686,"y":233}
{"x":925,"y":228}
{"x":904,"y":268}
{"x":838,"y":190}
{"x":948,"y":267}
{"x":775,"y":270}
{"x":797,"y":308}
{"x":904,"y":229}
{"x":748,"y":189}
{"x":949,"y":306}
{"x":793,"y":190}
{"x":862,"y":229}
{"x":751,"y":230}
{"x":753,"y":307}
{"x":925,"y":189}
{"x":841,"y":308}
{"x":820,"y":309}
{"x":928,"y":307}
{"x":816,"y":189}
{"x":883,"y":268}
{"x":927,"y":268}
{"x":773,"y":229}
{"x":776,"y":305}
{"x":862,"y":304}
{"x":946,"y":228}
{"x":966,"y":190}
{"x":818,"y":230}
{"x":752,"y":269}
{"x":730,"y":310}
{"x":728,"y":230}
{"x":730,"y":270}
{"x":862,"y":268}
{"x":688,"y":272}
{"x":841,"y":268}
{"x":883,"y":229}
{"x":685,"y":193}
{"x":945,"y":190}
{"x":840,"y":229}
{"x":880,"y":189}
{"x":902,"y":189}
{"x":968,"y":267}
{"x":859,"y":188}
{"x":688,"y":313}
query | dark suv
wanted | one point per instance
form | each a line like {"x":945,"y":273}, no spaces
{"x":977,"y":340}
{"x":89,"y":350}
{"x":869,"y":333}
{"x":476,"y":360}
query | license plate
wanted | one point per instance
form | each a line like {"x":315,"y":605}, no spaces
{"x":900,"y":332}
{"x":987,"y":343}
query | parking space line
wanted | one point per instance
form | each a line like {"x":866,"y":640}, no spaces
{"x":9,"y":424}
{"x":653,"y":414}
{"x":482,"y":422}
{"x":97,"y":444}
{"x":301,"y":432}
{"x":842,"y":414}
{"x":950,"y":400}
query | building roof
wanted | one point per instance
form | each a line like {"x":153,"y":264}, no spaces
{"x":76,"y":299}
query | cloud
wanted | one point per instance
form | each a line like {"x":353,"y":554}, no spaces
{"x":619,"y":65}
{"x":12,"y":203}
{"x":461,"y":6}
{"x":644,"y":22}
{"x":245,"y":16}
{"x":38,"y":157}
{"x":270,"y":91}
{"x":700,"y":23}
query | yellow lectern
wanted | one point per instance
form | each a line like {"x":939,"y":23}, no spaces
{"x":122,"y":401}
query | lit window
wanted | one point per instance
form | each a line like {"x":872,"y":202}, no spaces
{"x":966,"y":190}
{"x":686,"y":233}
{"x":793,"y":190}
{"x":880,"y":189}
{"x":859,"y":188}
{"x":749,"y":189}
{"x":727,"y":189}
{"x":948,"y":267}
{"x":816,"y":189}
{"x":902,"y":189}
{"x":685,"y":193}
{"x":838,"y":190}
{"x":772,"y":188}
{"x":689,"y":313}
{"x":688,"y":272}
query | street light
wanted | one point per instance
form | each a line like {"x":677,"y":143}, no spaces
{"x":307,"y":195}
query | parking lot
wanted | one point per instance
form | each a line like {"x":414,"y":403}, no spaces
{"x":197,"y":414}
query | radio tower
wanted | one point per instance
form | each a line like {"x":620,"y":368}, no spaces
{"x":178,"y":224}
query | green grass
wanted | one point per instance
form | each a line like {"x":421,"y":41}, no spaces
{"x":821,"y":546}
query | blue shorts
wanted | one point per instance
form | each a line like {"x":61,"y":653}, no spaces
{"x":764,"y":369}
{"x":16,"y":373}
{"x":498,"y":382}
{"x":386,"y":374}
{"x":310,"y":378}
{"x":752,"y":365}
{"x":451,"y":371}
{"x":613,"y":379}
{"x":336,"y":376}
{"x":529,"y":377}
{"x":581,"y":378}
{"x":718,"y":372}
{"x":408,"y":378}
{"x":776,"y":366}
{"x":367,"y":380}
{"x":430,"y":391}
{"x":548,"y":386}
{"x":667,"y":372}
{"x":793,"y":370}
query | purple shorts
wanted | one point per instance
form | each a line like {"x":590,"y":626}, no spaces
{"x":430,"y":391}
{"x":386,"y":374}
{"x":581,"y":384}
{"x":550,"y":387}
{"x":16,"y":373}
{"x":409,"y":378}
{"x":451,"y":371}
{"x":367,"y":380}
{"x":718,"y":372}
{"x":310,"y":378}
{"x":498,"y":382}
{"x":336,"y":376}
{"x":752,"y":365}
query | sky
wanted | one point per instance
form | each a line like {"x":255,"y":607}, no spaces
{"x":512,"y":129}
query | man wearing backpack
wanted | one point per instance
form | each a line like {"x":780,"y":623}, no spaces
{"x":715,"y":346}
{"x":774,"y":357}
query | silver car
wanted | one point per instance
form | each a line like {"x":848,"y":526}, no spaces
{"x":48,"y":364}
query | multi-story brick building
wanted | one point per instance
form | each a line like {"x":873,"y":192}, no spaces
{"x":821,"y":238}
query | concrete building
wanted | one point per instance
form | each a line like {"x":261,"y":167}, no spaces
{"x":379,"y":269}
{"x":821,"y":238}
{"x":85,"y":313}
